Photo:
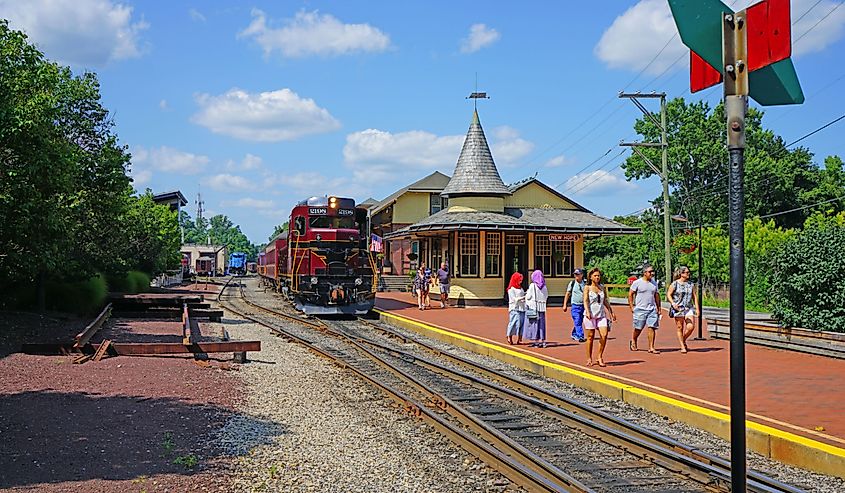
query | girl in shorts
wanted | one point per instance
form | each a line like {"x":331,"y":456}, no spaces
{"x":596,"y":308}
{"x":685,"y":305}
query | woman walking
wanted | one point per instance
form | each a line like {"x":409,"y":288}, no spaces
{"x":596,"y":308}
{"x":421,"y":287}
{"x":516,"y":308}
{"x":685,"y":305}
{"x":535,"y":309}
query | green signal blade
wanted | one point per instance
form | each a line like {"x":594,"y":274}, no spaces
{"x":775,"y":84}
{"x":700,"y":25}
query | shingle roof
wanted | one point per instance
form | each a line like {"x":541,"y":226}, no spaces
{"x":432,"y":183}
{"x":475,"y":173}
{"x":518,"y":219}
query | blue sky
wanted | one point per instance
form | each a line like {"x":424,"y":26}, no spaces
{"x":262,"y":104}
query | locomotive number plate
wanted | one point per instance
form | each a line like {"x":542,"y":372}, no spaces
{"x":345,"y":212}
{"x":317,"y":211}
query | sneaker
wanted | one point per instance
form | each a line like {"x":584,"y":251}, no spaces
{"x":583,"y":339}
{"x":576,"y":339}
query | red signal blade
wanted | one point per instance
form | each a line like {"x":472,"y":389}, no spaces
{"x":701,"y":74}
{"x":768,"y":33}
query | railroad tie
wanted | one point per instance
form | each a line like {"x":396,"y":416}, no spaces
{"x":102,"y":350}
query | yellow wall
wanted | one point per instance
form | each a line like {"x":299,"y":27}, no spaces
{"x":533,"y":195}
{"x":411,"y":207}
{"x":477,"y":289}
{"x":467,"y":204}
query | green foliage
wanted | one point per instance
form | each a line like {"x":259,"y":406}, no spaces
{"x":619,"y":256}
{"x":189,"y":461}
{"x":153,"y":235}
{"x":776,"y":178}
{"x":66,"y":202}
{"x":133,"y":282}
{"x":278,"y":230}
{"x":807,"y":282}
{"x":82,"y":297}
{"x":220,"y":231}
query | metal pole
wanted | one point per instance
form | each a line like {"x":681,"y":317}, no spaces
{"x":736,"y":103}
{"x":700,"y":282}
{"x":667,"y":231}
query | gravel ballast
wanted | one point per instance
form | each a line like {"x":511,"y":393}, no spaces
{"x":322,"y":429}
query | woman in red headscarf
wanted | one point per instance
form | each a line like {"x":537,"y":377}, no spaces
{"x":516,"y":308}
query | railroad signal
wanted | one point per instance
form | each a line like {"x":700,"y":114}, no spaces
{"x":772,"y":79}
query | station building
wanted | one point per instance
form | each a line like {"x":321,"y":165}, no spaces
{"x":204,"y":259}
{"x":486,"y":230}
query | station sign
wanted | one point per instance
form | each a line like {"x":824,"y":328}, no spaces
{"x":565,"y":237}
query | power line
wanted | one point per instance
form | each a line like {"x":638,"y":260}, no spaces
{"x":818,"y":22}
{"x":815,"y":131}
{"x":575,"y":185}
{"x":807,"y":12}
{"x":596,"y":178}
{"x":594,"y":161}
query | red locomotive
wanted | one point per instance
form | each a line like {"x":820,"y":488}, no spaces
{"x":321,"y":259}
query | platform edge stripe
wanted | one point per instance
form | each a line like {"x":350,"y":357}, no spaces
{"x":768,"y":430}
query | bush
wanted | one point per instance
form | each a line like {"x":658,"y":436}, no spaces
{"x":807,"y":281}
{"x":82,"y":297}
{"x":133,"y":282}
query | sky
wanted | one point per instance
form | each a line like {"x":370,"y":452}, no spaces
{"x":260,"y":105}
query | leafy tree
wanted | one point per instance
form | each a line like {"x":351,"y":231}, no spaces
{"x":776,"y":178}
{"x":153,"y":232}
{"x":277,"y":230}
{"x":807,"y":283}
{"x":619,"y":256}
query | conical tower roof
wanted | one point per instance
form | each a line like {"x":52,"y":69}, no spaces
{"x":475,"y":173}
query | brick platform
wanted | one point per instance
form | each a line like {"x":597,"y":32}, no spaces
{"x":798,"y":393}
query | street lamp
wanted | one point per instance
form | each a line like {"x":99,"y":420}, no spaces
{"x":682,"y":219}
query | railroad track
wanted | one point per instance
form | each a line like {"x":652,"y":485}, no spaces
{"x":538,"y":439}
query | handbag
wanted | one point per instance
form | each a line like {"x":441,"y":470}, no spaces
{"x":531,"y":312}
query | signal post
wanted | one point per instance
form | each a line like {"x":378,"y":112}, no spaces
{"x":753,"y":59}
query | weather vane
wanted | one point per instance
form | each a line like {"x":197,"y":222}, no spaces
{"x":477,"y":95}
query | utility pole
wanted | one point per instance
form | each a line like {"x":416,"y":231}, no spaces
{"x":663,"y":172}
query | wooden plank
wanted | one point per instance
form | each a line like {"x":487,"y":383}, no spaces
{"x":101,"y":350}
{"x":83,"y":337}
{"x":148,"y":348}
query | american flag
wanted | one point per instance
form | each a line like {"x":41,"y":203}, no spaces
{"x":376,"y":244}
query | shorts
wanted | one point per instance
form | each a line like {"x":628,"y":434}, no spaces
{"x":645,"y":318}
{"x":444,"y":288}
{"x":686,"y":313}
{"x":596,"y":323}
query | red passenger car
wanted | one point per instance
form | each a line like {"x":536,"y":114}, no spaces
{"x":321,"y":260}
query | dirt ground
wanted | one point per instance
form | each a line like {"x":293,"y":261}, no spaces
{"x":123,"y":424}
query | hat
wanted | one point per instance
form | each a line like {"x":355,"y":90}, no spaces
{"x":578,"y":271}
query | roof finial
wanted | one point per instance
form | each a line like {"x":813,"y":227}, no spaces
{"x":477,"y":95}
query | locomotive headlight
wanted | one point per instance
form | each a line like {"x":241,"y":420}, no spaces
{"x":358,"y":281}
{"x":313,"y":280}
{"x":333,"y":202}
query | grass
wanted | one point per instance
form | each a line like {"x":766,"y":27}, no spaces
{"x":168,"y":444}
{"x":189,"y":461}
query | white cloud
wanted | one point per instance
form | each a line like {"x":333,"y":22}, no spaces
{"x":558,"y":161}
{"x":593,"y":182}
{"x":637,"y":35}
{"x":164,"y":105}
{"x":508,"y":147}
{"x":225,"y":182}
{"x":479,"y":37}
{"x":824,"y":34}
{"x":312,"y":33}
{"x":167,"y":159}
{"x":249,"y":162}
{"x":375,"y":155}
{"x":196,"y":15}
{"x":265,"y":117}
{"x":140,"y":175}
{"x":78,"y":32}
{"x":251,"y":203}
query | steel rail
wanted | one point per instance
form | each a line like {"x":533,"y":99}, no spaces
{"x":516,"y":471}
{"x":647,"y":440}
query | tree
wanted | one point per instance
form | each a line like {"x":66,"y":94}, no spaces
{"x":153,"y":232}
{"x":278,"y":230}
{"x":807,"y":281}
{"x":776,"y":178}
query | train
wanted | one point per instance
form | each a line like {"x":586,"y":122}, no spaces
{"x":321,"y":260}
{"x":237,"y":263}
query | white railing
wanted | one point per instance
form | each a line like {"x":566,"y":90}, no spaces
{"x":165,"y":280}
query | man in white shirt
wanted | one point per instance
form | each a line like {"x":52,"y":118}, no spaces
{"x":644,"y":301}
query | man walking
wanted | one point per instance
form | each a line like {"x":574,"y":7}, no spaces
{"x":575,"y":293}
{"x":443,"y":279}
{"x":644,"y":301}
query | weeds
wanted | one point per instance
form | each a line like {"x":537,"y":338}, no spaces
{"x":189,"y":461}
{"x":168,"y":444}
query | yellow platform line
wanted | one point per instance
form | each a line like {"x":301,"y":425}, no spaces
{"x":771,"y":442}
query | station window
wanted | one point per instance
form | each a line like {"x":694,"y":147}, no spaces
{"x":437,"y":203}
{"x":469,"y":254}
{"x":493,"y":255}
{"x":543,"y":254}
{"x":562,"y":254}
